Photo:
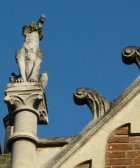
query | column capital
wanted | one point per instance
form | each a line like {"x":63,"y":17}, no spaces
{"x":27,"y":96}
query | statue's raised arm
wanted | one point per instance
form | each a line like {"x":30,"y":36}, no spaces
{"x":29,"y":57}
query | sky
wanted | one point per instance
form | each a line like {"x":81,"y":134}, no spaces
{"x":82,"y":45}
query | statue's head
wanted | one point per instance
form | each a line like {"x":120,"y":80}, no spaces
{"x":35,"y":27}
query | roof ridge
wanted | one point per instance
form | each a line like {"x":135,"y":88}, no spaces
{"x":93,"y":126}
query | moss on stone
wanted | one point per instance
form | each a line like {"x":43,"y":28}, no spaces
{"x":5,"y":161}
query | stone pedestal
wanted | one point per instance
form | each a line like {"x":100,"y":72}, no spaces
{"x":27,"y":106}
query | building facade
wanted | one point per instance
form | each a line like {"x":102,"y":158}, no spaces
{"x":110,"y":140}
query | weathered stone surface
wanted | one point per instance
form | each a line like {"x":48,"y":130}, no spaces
{"x":29,"y":57}
{"x":8,"y":131}
{"x":98,"y":104}
{"x":131,"y":55}
{"x":27,"y":108}
{"x":86,"y":164}
{"x":54,"y":142}
{"x":5,"y":161}
{"x":91,"y":141}
{"x":28,"y":96}
{"x":26,"y":100}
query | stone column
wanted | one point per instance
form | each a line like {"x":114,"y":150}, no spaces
{"x":26,"y":102}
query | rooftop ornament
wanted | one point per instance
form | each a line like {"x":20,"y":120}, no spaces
{"x":26,"y":100}
{"x":130,"y":55}
{"x":30,"y":56}
{"x":98,"y":104}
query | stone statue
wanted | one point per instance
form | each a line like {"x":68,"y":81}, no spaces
{"x":29,"y":57}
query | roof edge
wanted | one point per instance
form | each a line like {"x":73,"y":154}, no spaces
{"x":94,"y":126}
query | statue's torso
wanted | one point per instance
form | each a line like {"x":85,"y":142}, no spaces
{"x":31,"y":44}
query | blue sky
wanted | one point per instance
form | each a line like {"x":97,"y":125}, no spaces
{"x":82,"y":45}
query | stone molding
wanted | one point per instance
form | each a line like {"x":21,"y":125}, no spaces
{"x":21,"y":135}
{"x":55,"y":141}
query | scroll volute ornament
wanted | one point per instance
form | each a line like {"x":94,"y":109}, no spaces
{"x":97,"y":103}
{"x":131,"y":55}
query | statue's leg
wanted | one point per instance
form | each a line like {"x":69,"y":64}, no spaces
{"x":35,"y":72}
{"x":29,"y":64}
{"x":20,"y":58}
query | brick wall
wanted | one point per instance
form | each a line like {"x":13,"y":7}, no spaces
{"x":123,"y":149}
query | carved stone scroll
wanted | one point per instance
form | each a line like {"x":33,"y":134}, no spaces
{"x":97,"y":103}
{"x":131,"y":55}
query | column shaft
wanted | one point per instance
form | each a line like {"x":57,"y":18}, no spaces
{"x":27,"y":107}
{"x":25,"y":121}
{"x":23,"y":154}
{"x":24,"y":150}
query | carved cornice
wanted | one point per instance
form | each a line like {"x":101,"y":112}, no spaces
{"x":29,"y":98}
{"x":131,"y":55}
{"x":97,"y":103}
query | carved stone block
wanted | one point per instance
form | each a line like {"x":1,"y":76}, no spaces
{"x":27,"y":96}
